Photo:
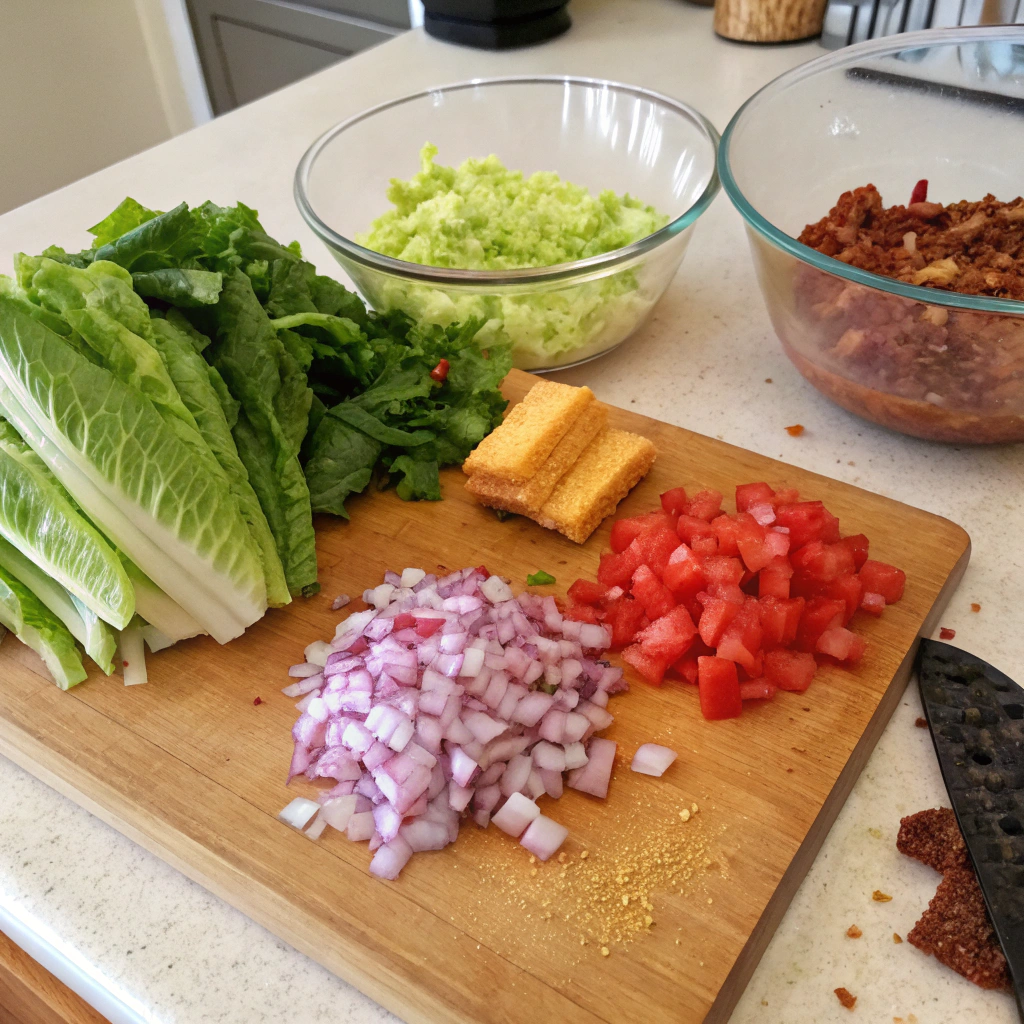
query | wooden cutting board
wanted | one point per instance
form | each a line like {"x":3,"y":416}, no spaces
{"x":192,"y":769}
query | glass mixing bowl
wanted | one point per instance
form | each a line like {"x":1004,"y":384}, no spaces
{"x":593,"y":133}
{"x":946,"y":105}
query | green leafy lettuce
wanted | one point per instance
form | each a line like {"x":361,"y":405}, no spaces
{"x":137,"y":480}
{"x":35,"y":625}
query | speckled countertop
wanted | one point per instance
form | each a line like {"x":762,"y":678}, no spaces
{"x":143,"y":943}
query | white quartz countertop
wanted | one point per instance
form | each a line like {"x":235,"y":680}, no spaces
{"x":142,"y":943}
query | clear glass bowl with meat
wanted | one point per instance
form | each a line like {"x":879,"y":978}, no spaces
{"x":906,"y":309}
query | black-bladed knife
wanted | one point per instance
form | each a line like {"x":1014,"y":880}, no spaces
{"x":976,"y":717}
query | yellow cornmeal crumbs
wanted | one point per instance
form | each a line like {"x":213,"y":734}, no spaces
{"x":605,"y":951}
{"x":607,"y":895}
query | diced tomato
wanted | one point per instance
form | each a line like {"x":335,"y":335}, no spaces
{"x":670,"y":636}
{"x":683,"y":575}
{"x":822,"y":563}
{"x":428,"y":627}
{"x":750,"y":539}
{"x":405,"y":620}
{"x":726,"y":532}
{"x":858,"y":547}
{"x":719,"y":688}
{"x":873,"y":604}
{"x":651,"y":593}
{"x":625,"y":617}
{"x":705,"y":505}
{"x":656,"y":545}
{"x":780,"y":620}
{"x":714,"y":619}
{"x":649,"y":668}
{"x":776,"y":543}
{"x":839,"y":643}
{"x":616,"y":568}
{"x":820,"y":613}
{"x":586,"y":592}
{"x":686,"y":668}
{"x":705,"y":545}
{"x":688,"y":527}
{"x":741,"y":639}
{"x":625,"y":531}
{"x":847,"y":588}
{"x":789,"y":670}
{"x":773,"y":579}
{"x":789,"y":496}
{"x":752,"y":494}
{"x":582,"y":613}
{"x":807,"y":521}
{"x":723,"y":571}
{"x":757,"y":689}
{"x":674,"y":501}
{"x":882,"y":578}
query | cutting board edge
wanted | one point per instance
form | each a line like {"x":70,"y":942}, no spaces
{"x":413,"y":1004}
{"x":750,"y":956}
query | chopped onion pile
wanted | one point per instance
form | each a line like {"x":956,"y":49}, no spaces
{"x":451,"y":698}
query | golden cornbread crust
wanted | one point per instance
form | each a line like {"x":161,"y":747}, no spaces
{"x":528,"y":498}
{"x":516,"y":451}
{"x":613,"y":463}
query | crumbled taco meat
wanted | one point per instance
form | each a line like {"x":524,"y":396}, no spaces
{"x":976,"y":248}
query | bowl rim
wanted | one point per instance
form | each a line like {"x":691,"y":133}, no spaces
{"x":887,"y":45}
{"x":534,"y":275}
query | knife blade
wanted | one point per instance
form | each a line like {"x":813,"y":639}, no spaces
{"x":976,"y":717}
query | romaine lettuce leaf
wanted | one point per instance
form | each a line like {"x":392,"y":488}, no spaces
{"x":35,"y":625}
{"x":96,"y":636}
{"x":128,"y":215}
{"x":134,"y":477}
{"x":37,"y":518}
{"x":195,"y":381}
{"x":162,"y":241}
{"x":271,"y":388}
{"x":180,"y":287}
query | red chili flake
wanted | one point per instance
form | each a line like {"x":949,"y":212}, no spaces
{"x":845,"y":998}
{"x":920,"y":193}
{"x":921,"y":723}
{"x":796,"y":430}
{"x":125,"y":664}
{"x":258,"y":701}
{"x":440,"y":372}
{"x":945,"y":633}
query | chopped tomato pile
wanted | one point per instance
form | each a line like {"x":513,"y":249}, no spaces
{"x":743,"y":604}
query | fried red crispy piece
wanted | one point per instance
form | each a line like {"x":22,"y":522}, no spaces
{"x":845,"y":998}
{"x":955,"y":928}
{"x":933,"y":837}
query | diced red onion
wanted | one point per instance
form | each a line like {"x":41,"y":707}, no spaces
{"x":298,"y":812}
{"x":423,"y":708}
{"x":594,"y":776}
{"x":543,"y":837}
{"x":338,"y":812}
{"x":516,"y":814}
{"x":390,"y":858}
{"x":653,"y":759}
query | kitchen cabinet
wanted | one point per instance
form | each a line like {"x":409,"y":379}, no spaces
{"x":249,"y":48}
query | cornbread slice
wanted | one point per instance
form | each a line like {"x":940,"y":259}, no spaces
{"x":516,"y":450}
{"x":527,"y":499}
{"x":614,"y":462}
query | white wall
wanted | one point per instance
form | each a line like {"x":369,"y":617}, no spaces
{"x":85,"y":83}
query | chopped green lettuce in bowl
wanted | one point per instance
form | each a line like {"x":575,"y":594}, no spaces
{"x":483,"y":216}
{"x":560,"y":258}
